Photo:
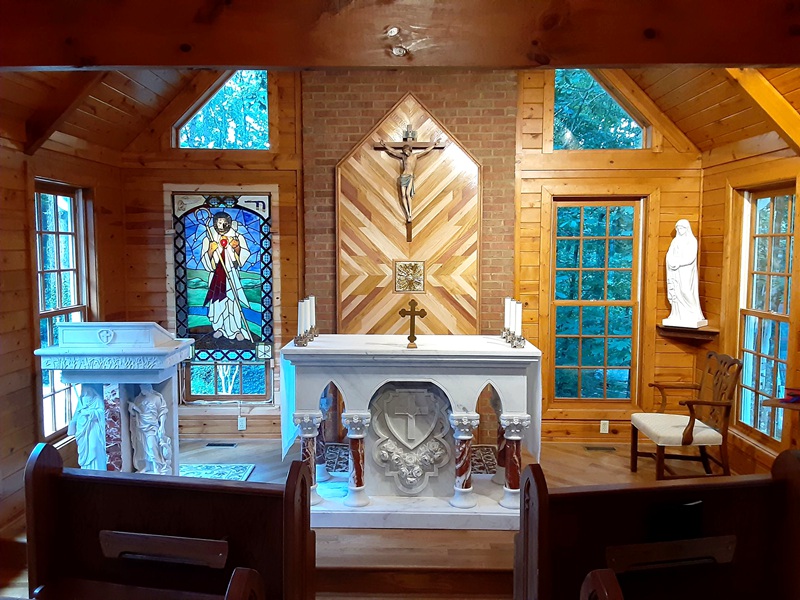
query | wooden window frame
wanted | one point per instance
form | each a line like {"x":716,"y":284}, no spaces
{"x":81,"y":250}
{"x":272,"y":116}
{"x":630,"y":109}
{"x":635,"y":303}
{"x":749,"y":221}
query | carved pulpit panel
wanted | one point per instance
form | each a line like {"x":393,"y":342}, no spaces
{"x":375,"y":222}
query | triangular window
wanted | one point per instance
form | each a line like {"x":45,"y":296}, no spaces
{"x":587,"y":117}
{"x":235,"y":118}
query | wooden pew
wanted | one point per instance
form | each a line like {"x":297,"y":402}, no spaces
{"x":94,"y":534}
{"x":732,"y":537}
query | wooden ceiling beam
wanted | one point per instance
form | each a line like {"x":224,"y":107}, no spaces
{"x":60,"y":104}
{"x":509,"y":34}
{"x":783,"y":117}
{"x":624,"y":85}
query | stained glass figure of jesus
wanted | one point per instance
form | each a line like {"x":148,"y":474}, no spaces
{"x":224,"y":253}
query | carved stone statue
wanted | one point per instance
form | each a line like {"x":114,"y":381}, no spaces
{"x":152,"y":448}
{"x":682,"y":285}
{"x":88,"y":425}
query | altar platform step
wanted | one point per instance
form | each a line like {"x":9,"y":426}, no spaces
{"x":413,"y":512}
{"x":417,"y":584}
{"x":416,"y":563}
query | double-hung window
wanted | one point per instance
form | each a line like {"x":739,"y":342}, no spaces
{"x":62,"y":289}
{"x":764,"y":313}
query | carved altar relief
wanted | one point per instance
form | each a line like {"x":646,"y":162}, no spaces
{"x":412,"y":440}
{"x":372,"y":236}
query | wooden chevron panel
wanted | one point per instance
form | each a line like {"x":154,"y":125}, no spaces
{"x":371,"y":231}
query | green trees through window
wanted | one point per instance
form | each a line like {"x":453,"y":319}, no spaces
{"x":595,"y":299}
{"x":60,"y":258}
{"x":587,"y":118}
{"x":236,"y":117}
{"x":765,"y":316}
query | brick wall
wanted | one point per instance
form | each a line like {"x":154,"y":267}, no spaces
{"x":478,"y":108}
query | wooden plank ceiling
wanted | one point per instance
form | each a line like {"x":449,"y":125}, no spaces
{"x":702,"y":102}
{"x":111,"y":114}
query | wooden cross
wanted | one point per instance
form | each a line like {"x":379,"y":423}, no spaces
{"x":413,"y":313}
{"x":407,"y":152}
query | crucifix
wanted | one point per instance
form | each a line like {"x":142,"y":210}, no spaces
{"x":408,"y":152}
{"x":413,"y":313}
{"x":410,"y":410}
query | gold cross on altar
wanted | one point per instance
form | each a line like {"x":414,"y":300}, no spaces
{"x":413,"y":313}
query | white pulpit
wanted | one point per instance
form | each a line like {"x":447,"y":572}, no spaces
{"x":124,"y":364}
{"x":434,"y":389}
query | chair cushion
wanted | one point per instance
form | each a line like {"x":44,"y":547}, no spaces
{"x":667,"y":430}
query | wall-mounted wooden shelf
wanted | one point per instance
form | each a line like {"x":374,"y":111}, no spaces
{"x":779,"y":404}
{"x":701,"y":335}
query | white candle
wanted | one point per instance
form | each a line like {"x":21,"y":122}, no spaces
{"x":518,"y":330}
{"x":313,"y":301}
{"x":300,"y":318}
{"x":507,"y":322}
{"x":306,"y":315}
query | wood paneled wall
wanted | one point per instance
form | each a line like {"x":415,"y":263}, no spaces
{"x":729,"y":171}
{"x":371,"y":231}
{"x":669,"y":182}
{"x":149,"y":271}
{"x":19,"y":333}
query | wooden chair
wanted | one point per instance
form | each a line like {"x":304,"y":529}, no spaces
{"x":692,"y":539}
{"x":96,"y":534}
{"x":705,"y":425}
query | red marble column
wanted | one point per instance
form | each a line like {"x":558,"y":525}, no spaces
{"x":356,"y":478}
{"x":513,"y":464}
{"x":356,"y":424}
{"x":114,"y":406}
{"x":309,"y":429}
{"x":463,"y":424}
{"x":308,"y":451}
{"x":514,"y":425}
{"x":463,"y":464}
{"x":501,"y":446}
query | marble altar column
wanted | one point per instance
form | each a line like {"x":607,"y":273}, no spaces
{"x":114,"y":426}
{"x":499,"y":476}
{"x":356,"y":424}
{"x":319,"y":456}
{"x":463,"y":424}
{"x":514,"y":425}
{"x":309,"y":429}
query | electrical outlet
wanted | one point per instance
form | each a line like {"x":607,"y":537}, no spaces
{"x":603,"y":426}
{"x":241,"y":423}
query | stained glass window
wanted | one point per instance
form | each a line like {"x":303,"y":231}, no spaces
{"x":223,"y":287}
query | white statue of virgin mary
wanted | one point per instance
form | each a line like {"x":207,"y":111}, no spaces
{"x":682,"y":284}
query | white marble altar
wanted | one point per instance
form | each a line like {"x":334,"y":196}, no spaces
{"x":116,"y":356}
{"x":454,"y":368}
